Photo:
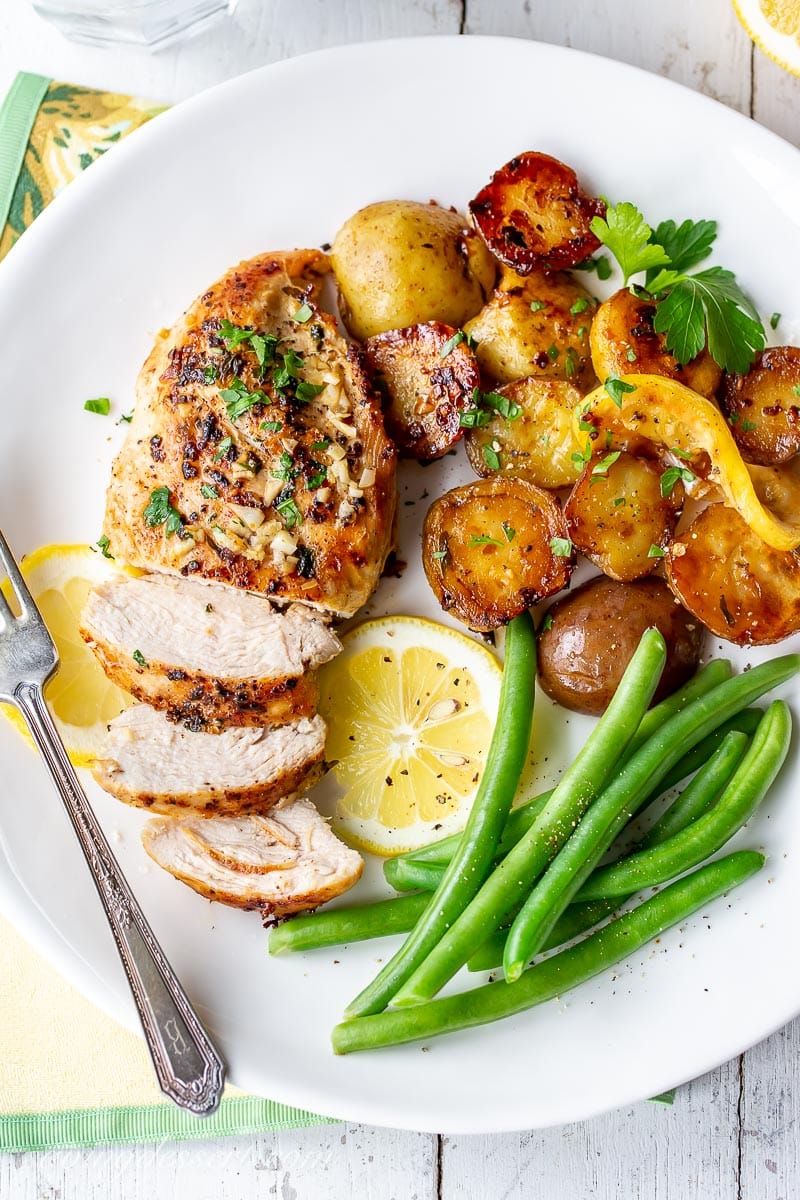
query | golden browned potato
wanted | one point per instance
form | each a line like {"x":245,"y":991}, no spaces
{"x":588,"y":638}
{"x":763,"y":406}
{"x":532,"y":214}
{"x":538,"y":325}
{"x":530,"y":433}
{"x":427,"y":376}
{"x":624,"y":342}
{"x":738,"y":586}
{"x":494,"y":547}
{"x":617,"y":513}
{"x":400,"y":263}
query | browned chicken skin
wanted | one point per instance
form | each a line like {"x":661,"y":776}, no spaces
{"x":257,"y":454}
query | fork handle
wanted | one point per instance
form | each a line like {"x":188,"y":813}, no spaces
{"x":189,"y":1069}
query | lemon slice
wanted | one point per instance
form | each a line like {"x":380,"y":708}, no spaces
{"x":81,"y":698}
{"x":410,"y":706}
{"x":774,"y":25}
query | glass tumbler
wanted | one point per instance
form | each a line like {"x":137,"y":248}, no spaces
{"x":146,"y":24}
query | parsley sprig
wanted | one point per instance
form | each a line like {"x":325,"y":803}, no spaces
{"x":705,"y":308}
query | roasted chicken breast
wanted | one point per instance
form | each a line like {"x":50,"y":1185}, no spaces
{"x":280,"y":863}
{"x":207,"y":654}
{"x":149,"y":761}
{"x":257,"y":454}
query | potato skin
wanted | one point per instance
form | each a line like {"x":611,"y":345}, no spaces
{"x":738,"y":586}
{"x":532,"y":214}
{"x":401,"y":263}
{"x":486,"y":550}
{"x":424,"y":392}
{"x":762,"y":407}
{"x":537,"y":445}
{"x":616,"y":512}
{"x":623,"y":325}
{"x":513,"y":341}
{"x":594,"y":632}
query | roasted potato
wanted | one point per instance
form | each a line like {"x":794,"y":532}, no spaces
{"x":538,"y":325}
{"x":763,"y":406}
{"x":616,"y":514}
{"x":427,"y":377}
{"x":738,"y":586}
{"x":588,"y":638}
{"x":624,"y":342}
{"x":533,"y":215}
{"x":492,"y":548}
{"x":536,"y":441}
{"x":400,"y":263}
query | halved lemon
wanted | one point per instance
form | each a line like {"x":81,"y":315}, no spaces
{"x":774,"y":25}
{"x":410,"y":707}
{"x":81,"y":698}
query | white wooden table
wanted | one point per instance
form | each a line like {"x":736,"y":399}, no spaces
{"x":731,"y":1135}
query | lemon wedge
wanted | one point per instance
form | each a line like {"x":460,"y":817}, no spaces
{"x":410,"y":706}
{"x":774,"y":25}
{"x":81,"y":698}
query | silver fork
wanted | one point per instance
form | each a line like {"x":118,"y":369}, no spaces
{"x":188,"y":1067}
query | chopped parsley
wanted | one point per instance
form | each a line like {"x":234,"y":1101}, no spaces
{"x":631,"y":354}
{"x":507,"y":407}
{"x":581,"y":458}
{"x":159,"y":511}
{"x":491,"y":458}
{"x":290,"y":512}
{"x":272,"y":426}
{"x":139,"y":658}
{"x":483,"y":539}
{"x":323,"y":445}
{"x":656,"y":552}
{"x":304,"y":313}
{"x":601,"y":265}
{"x":102,"y":544}
{"x":223,"y":448}
{"x":439,"y":554}
{"x":447,"y":349}
{"x":617,"y":388}
{"x":561,"y":547}
{"x":102,"y":406}
{"x":748,"y":426}
{"x":680,"y":453}
{"x":508,"y":531}
{"x":318,"y":478}
{"x":671,"y":477}
{"x":208,"y":491}
{"x":580,"y":305}
{"x":774,"y":319}
{"x":796,"y":390}
{"x":239,"y":400}
{"x":306,"y":391}
{"x":571,"y":361}
{"x":602,"y":467}
{"x":553,"y":352}
{"x":286,"y":470}
{"x":537,"y":305}
{"x":126,"y":418}
{"x":547,"y":623}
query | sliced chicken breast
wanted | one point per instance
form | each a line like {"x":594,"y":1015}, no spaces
{"x":257,"y":453}
{"x":149,"y":761}
{"x":280,"y":863}
{"x":207,"y":654}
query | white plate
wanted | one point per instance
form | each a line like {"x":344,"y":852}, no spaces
{"x":280,"y":158}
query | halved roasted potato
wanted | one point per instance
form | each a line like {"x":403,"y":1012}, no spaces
{"x":494,"y":547}
{"x":537,"y":325}
{"x":401,"y":263}
{"x":532,"y":214}
{"x":532,"y":436}
{"x":588,"y":638}
{"x":763,"y":406}
{"x":427,"y":376}
{"x":737,"y":585}
{"x":624,"y":342}
{"x":619,"y":516}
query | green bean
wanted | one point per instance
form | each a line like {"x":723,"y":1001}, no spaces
{"x":696,"y":798}
{"x":556,"y":975}
{"x":581,"y":782}
{"x":440,"y":853}
{"x":745,"y":721}
{"x":698,"y":795}
{"x":470,"y":864}
{"x":573,"y":921}
{"x":708,"y":677}
{"x":614,"y":808}
{"x":709,"y":832}
{"x":337,"y":926}
{"x":406,"y":875}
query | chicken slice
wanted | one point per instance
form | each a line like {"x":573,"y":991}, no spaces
{"x":280,"y":864}
{"x":207,"y":654}
{"x":257,"y":453}
{"x":150,"y":762}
